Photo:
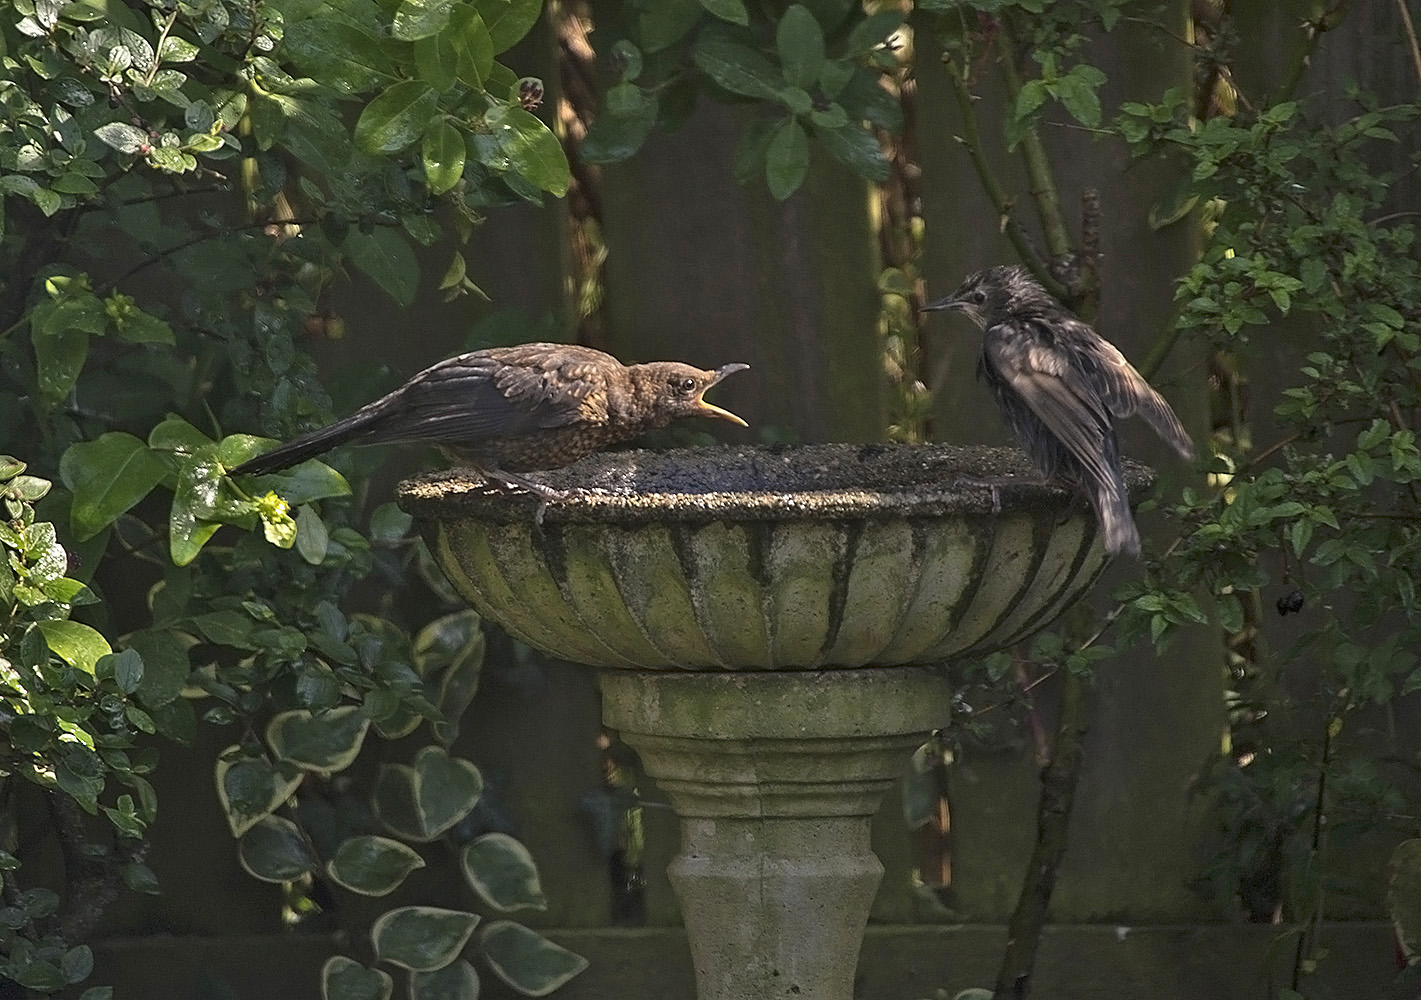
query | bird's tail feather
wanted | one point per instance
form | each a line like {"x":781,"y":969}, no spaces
{"x":1117,"y":524}
{"x":1161,"y":417}
{"x":309,"y":445}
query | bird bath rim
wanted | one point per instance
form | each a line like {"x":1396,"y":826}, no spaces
{"x":763,"y":483}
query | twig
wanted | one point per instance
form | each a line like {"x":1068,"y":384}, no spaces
{"x":1323,"y":20}
{"x":971,"y":139}
{"x":1038,"y":164}
{"x":1308,"y":939}
{"x":1058,"y":789}
{"x":1410,"y":36}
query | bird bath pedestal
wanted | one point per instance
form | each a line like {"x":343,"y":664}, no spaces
{"x":761,"y":617}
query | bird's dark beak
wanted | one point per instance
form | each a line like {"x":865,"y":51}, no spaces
{"x":951,"y":302}
{"x":705,"y":409}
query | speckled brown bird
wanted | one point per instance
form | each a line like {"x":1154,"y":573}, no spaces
{"x":1060,"y":386}
{"x":507,"y":410}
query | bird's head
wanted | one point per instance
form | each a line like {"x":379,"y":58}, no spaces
{"x":678,"y":390}
{"x":988,"y":296}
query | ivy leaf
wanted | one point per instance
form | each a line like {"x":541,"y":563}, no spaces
{"x":527,"y":961}
{"x":372,"y":866}
{"x":787,"y":158}
{"x":422,"y":938}
{"x":345,"y":979}
{"x":623,"y":125}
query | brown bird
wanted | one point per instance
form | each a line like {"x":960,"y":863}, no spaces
{"x":1059,"y":386}
{"x":507,"y":410}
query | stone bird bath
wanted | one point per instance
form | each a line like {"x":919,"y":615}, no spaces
{"x":766,"y":621}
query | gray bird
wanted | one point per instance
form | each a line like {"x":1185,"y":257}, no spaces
{"x":1060,"y":386}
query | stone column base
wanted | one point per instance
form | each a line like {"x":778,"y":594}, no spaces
{"x":775,"y":777}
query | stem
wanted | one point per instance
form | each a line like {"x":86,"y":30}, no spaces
{"x":1323,"y":19}
{"x":1033,"y":151}
{"x":971,"y":140}
{"x":1058,"y":789}
{"x":1410,"y":29}
{"x":1307,"y":941}
{"x":158,"y":49}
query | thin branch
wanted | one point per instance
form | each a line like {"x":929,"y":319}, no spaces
{"x":971,"y":139}
{"x":1323,"y":20}
{"x":1038,"y":164}
{"x":1058,"y":789}
{"x":1410,"y":36}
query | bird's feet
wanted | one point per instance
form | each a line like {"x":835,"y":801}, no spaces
{"x":545,"y":493}
{"x":993,"y":484}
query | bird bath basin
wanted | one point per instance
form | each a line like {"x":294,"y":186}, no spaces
{"x":766,"y":619}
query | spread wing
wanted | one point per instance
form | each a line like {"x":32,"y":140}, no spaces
{"x":1124,"y":390}
{"x":500,"y":391}
{"x":1043,"y":377}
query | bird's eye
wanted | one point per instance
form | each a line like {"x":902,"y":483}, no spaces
{"x":978,"y":296}
{"x":686,"y":385}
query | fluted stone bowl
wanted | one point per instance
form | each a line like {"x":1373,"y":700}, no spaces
{"x":769,"y":558}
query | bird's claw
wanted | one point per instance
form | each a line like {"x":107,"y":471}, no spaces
{"x":991,"y":485}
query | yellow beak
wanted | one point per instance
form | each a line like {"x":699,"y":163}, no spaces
{"x":705,"y":409}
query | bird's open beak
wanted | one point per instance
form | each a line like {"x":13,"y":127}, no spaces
{"x":710,"y":409}
{"x":951,"y":302}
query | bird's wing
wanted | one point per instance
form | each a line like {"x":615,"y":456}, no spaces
{"x":498,"y":392}
{"x":1123,"y":389}
{"x":1043,"y":376}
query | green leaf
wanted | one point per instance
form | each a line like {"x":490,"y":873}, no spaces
{"x":345,"y":979}
{"x":800,"y":43}
{"x":526,"y":960}
{"x":456,"y":981}
{"x":396,"y":119}
{"x":372,"y":866}
{"x":416,"y":19}
{"x":503,"y":873}
{"x":531,"y":148}
{"x":343,"y":56}
{"x":508,"y":20}
{"x":126,"y":668}
{"x":622,"y":127}
{"x":195,"y":500}
{"x":737,"y":68}
{"x":59,"y":356}
{"x":165,"y":666}
{"x":250,"y":789}
{"x":857,"y":150}
{"x":1080,"y":99}
{"x":728,"y":10}
{"x":107,"y":477}
{"x":122,"y":136}
{"x":323,"y":743}
{"x":312,"y":538}
{"x":275,"y":851}
{"x":75,"y":643}
{"x":443,"y":153}
{"x":315,"y":134}
{"x":872,"y":31}
{"x":664,"y":23}
{"x":312,"y":480}
{"x":422,"y":938}
{"x":386,"y":257}
{"x":421,"y":802}
{"x":473,"y":46}
{"x":787,"y":157}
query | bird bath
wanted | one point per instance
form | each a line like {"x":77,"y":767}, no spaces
{"x":767,"y":620}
